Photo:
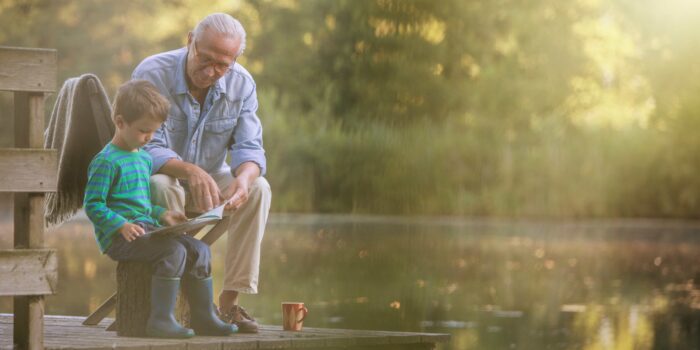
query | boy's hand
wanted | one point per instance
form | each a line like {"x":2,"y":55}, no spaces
{"x":170,"y":218}
{"x":131,"y":231}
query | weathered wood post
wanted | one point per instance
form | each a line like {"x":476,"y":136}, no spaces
{"x":29,"y":271}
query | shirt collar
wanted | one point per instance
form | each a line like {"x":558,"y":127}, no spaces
{"x":181,"y":83}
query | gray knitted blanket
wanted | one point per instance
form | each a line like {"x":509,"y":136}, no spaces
{"x":80,"y":126}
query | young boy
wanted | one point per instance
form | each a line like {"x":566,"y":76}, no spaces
{"x":118,"y":202}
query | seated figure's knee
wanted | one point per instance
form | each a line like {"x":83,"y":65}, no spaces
{"x":260,"y":188}
{"x":176,"y":252}
{"x":174,"y":257}
{"x":167,"y":192}
{"x":202,"y":249}
{"x":161,"y":182}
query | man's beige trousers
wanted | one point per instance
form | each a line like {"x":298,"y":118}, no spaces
{"x":246,"y":226}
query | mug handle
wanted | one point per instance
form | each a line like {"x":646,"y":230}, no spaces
{"x":306,"y":311}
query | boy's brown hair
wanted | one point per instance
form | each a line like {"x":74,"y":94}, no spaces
{"x":137,"y":99}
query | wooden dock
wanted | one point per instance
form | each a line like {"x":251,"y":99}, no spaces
{"x":67,"y":332}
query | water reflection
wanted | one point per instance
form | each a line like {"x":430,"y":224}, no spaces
{"x":491,"y":284}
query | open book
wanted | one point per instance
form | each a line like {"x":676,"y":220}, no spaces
{"x":197,"y":223}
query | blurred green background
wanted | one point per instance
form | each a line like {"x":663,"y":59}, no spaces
{"x":541,"y":108}
{"x":508,"y":109}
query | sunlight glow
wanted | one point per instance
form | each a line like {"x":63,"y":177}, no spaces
{"x":431,"y":30}
{"x":610,"y":95}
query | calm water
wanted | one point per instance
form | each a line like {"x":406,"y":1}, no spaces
{"x":491,"y":284}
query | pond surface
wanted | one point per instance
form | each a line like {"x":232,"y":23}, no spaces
{"x":491,"y":284}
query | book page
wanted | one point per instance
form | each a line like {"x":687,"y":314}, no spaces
{"x":197,"y":223}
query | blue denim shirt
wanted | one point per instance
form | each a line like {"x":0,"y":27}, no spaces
{"x":203,"y":135}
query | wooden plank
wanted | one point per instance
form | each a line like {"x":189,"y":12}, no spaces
{"x":309,"y":342}
{"x":346,"y":337}
{"x":371,"y":339}
{"x":334,"y":337}
{"x":67,"y":332}
{"x":339,"y":341}
{"x":102,"y":311}
{"x":204,"y":343}
{"x":274,"y":344}
{"x":29,"y":209}
{"x":415,"y":346}
{"x":29,"y":119}
{"x":29,"y":220}
{"x":175,"y":345}
{"x":28,"y":330}
{"x":28,"y":272}
{"x":314,"y":337}
{"x":216,"y":232}
{"x":94,"y":338}
{"x":28,"y":170}
{"x":356,"y":332}
{"x":241,"y":345}
{"x":24,"y":69}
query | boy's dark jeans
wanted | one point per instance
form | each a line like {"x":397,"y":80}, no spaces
{"x":170,"y":256}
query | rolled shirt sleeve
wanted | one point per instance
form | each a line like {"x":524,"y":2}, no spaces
{"x":248,"y":144}
{"x":159,"y":150}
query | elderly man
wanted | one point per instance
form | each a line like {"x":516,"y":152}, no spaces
{"x":213,"y":113}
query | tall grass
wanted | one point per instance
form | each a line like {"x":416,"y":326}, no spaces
{"x":317,"y":164}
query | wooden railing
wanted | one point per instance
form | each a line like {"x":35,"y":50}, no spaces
{"x":29,"y":271}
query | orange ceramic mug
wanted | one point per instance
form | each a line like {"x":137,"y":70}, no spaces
{"x":293,"y":315}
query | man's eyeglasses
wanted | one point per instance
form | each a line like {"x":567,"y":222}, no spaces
{"x":219,"y":68}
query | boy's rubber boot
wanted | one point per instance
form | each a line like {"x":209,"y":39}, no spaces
{"x":203,"y":318}
{"x":162,"y":323}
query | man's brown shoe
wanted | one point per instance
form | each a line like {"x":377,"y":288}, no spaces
{"x":238,"y":316}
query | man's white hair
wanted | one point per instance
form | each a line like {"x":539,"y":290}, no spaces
{"x":222,"y":23}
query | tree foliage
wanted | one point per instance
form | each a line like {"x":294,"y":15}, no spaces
{"x":537,"y":108}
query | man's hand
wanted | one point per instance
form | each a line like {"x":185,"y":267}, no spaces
{"x":204,"y":190}
{"x":236,"y":194}
{"x":131,"y":231}
{"x":171,"y":218}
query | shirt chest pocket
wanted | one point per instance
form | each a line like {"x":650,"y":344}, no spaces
{"x":220,"y":125}
{"x":176,"y":125}
{"x":217,"y":139}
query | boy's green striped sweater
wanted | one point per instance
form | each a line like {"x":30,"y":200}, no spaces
{"x":118,"y":191}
